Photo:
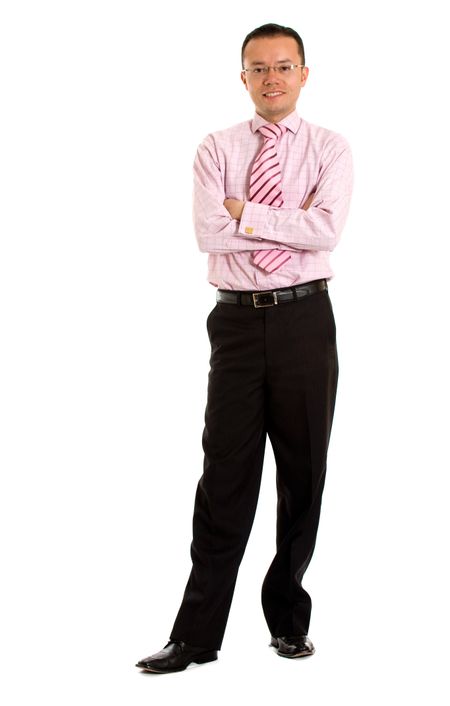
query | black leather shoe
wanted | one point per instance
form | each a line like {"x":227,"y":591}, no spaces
{"x":175,"y":657}
{"x":297,"y":646}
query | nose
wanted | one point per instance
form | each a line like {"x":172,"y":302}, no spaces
{"x":268,"y":77}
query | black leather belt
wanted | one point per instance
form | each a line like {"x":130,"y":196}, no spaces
{"x":272,"y":297}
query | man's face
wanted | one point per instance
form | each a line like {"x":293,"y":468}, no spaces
{"x":274,"y":94}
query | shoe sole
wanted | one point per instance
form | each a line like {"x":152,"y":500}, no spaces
{"x":159,"y":671}
{"x":297,"y":654}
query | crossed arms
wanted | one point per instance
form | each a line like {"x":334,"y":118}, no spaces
{"x":235,"y":207}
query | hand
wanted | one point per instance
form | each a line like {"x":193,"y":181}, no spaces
{"x":234,"y":208}
{"x":308,"y":201}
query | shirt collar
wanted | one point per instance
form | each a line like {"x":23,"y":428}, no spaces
{"x":292,"y":121}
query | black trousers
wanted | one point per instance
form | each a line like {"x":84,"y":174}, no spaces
{"x":273,"y":372}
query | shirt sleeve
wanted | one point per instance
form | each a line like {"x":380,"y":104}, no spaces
{"x":321,"y":225}
{"x":215,"y":230}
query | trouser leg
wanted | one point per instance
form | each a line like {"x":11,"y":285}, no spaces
{"x":227,"y":493}
{"x":302,"y":379}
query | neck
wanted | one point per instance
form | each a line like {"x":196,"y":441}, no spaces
{"x":275,"y":119}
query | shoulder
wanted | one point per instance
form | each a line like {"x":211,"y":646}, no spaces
{"x":221,"y":141}
{"x":323,"y":138}
{"x":230,"y":134}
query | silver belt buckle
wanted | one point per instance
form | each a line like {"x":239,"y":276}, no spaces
{"x":262,"y":299}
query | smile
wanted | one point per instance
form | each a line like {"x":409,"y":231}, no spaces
{"x":273,"y":94}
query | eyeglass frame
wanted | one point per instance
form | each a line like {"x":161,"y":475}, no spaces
{"x":264,"y":70}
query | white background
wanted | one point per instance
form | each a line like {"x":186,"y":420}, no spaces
{"x":104,"y":353}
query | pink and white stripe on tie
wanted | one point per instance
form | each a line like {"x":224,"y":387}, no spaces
{"x":265,"y":187}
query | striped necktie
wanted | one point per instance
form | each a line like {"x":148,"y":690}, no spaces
{"x":265,"y":187}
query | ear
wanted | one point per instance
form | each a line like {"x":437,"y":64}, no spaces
{"x":305,"y":73}
{"x":244,"y":79}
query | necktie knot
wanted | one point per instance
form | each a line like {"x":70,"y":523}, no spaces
{"x":272,"y":131}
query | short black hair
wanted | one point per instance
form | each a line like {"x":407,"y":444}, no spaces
{"x":273,"y":30}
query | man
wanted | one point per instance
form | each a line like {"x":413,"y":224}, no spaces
{"x":271,"y":198}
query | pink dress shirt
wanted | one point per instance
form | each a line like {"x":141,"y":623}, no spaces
{"x":312,"y":158}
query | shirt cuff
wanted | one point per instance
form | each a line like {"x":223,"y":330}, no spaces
{"x":253,"y":219}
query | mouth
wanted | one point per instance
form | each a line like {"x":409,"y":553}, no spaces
{"x":273,"y":94}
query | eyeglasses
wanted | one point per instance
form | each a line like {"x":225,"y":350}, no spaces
{"x":281,"y":69}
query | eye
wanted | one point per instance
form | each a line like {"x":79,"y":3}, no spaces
{"x":285,"y":69}
{"x":258,"y":70}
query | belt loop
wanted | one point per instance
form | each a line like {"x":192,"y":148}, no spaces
{"x":239,"y":295}
{"x":294,"y":290}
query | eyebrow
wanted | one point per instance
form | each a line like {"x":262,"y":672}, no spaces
{"x":262,"y":63}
